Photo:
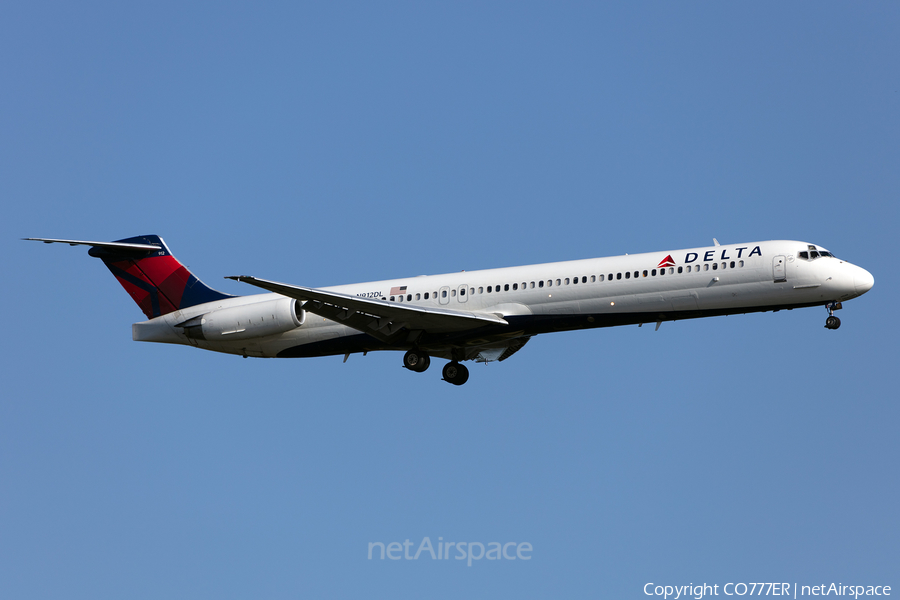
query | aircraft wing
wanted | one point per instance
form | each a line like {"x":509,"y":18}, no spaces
{"x":379,"y":318}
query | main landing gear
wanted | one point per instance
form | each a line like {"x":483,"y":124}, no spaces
{"x":832,"y":322}
{"x":455,"y":373}
{"x":418,"y":361}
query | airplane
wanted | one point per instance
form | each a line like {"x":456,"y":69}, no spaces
{"x":480,"y":316}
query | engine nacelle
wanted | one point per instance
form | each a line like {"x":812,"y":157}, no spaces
{"x":248,"y":321}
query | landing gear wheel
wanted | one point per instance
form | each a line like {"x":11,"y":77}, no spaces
{"x":416,"y":361}
{"x":455,"y":373}
{"x":832,"y":322}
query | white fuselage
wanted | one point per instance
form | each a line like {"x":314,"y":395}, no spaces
{"x":560,"y":296}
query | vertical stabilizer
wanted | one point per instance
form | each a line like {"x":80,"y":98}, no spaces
{"x":155,"y":280}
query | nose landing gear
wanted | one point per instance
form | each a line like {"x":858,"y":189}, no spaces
{"x":832,"y":322}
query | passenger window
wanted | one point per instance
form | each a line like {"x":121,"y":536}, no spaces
{"x":453,"y":293}
{"x":593,"y":278}
{"x":601,"y":277}
{"x":645,"y":272}
{"x":558,"y":282}
{"x":472,"y":291}
{"x":525,"y":286}
{"x":392,"y":298}
{"x":741,"y":263}
{"x":662,"y":271}
{"x":715,"y":266}
{"x":532,"y":285}
{"x":418,"y":296}
{"x":443,"y":293}
{"x":732,"y":264}
{"x":628,"y":275}
{"x":653,"y":273}
{"x":679,"y":269}
{"x":541,"y":283}
{"x":706,"y":267}
{"x":462,"y":292}
{"x":480,"y":289}
{"x":409,"y":297}
{"x":515,"y":286}
{"x":610,"y":276}
{"x":426,"y":295}
{"x":489,"y":289}
{"x":575,"y":280}
{"x":618,"y":276}
{"x":506,"y":287}
{"x":549,"y":283}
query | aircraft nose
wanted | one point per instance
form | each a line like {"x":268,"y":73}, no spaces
{"x":863,"y":281}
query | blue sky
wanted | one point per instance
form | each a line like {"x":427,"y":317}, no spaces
{"x":327,"y":144}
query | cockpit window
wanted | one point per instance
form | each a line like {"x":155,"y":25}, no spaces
{"x":813,"y":253}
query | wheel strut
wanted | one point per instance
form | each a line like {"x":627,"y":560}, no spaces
{"x":832,"y":322}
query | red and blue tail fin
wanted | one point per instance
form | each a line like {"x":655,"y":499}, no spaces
{"x":157,"y":282}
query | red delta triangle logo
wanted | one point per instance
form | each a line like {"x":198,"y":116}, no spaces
{"x":666,"y":262}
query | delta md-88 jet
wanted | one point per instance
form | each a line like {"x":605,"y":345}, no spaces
{"x":476,"y":315}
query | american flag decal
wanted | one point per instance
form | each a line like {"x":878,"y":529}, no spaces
{"x":398,"y":290}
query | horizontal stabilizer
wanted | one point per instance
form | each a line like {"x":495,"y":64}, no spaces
{"x":106,"y":245}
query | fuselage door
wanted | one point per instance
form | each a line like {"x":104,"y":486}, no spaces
{"x":444,"y":295}
{"x":778,"y":269}
{"x":462,"y":294}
